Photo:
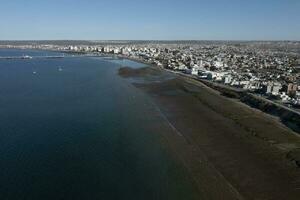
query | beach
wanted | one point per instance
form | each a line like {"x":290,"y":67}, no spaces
{"x":232,"y":151}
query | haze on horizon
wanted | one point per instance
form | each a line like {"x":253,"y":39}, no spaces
{"x":150,"y":20}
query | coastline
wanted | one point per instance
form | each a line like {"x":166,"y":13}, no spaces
{"x":223,"y":89}
{"x":249,"y":153}
{"x":230,"y":150}
{"x":288,"y":117}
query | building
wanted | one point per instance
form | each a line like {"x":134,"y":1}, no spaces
{"x":273,"y":88}
{"x":292,"y":89}
{"x":195,"y":71}
{"x":227,"y":79}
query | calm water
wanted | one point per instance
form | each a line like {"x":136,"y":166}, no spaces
{"x":73,"y":129}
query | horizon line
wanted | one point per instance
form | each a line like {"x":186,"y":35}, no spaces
{"x":158,"y":40}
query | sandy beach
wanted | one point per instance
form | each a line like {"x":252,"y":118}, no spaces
{"x":232,"y":151}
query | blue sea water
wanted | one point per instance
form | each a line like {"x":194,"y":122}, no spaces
{"x":73,"y":129}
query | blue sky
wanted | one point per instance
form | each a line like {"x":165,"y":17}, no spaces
{"x":153,"y":20}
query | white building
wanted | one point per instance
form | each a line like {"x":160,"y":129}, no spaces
{"x":273,"y":88}
{"x":227,"y":79}
{"x":195,"y":71}
{"x":218,"y":64}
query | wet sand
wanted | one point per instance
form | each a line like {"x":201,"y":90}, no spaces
{"x":230,"y":150}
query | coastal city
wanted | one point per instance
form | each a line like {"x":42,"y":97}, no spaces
{"x":151,"y":100}
{"x":268,"y":69}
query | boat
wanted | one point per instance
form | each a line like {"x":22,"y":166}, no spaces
{"x":26,"y":57}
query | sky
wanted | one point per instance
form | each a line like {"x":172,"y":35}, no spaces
{"x":150,"y":19}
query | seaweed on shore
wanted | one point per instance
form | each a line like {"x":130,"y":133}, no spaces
{"x":131,"y":72}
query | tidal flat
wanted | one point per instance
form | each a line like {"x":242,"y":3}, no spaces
{"x":231,"y":150}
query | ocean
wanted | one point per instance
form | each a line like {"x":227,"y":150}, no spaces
{"x":72,"y":128}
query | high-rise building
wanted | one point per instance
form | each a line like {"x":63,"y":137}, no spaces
{"x":292,"y":89}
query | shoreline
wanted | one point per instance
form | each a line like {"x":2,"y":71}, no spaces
{"x":294,"y":126}
{"x":230,"y":150}
{"x":221,"y":88}
{"x":225,"y":139}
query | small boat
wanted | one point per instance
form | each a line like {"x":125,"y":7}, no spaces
{"x":26,"y":57}
{"x":34,"y":72}
{"x":60,"y":69}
